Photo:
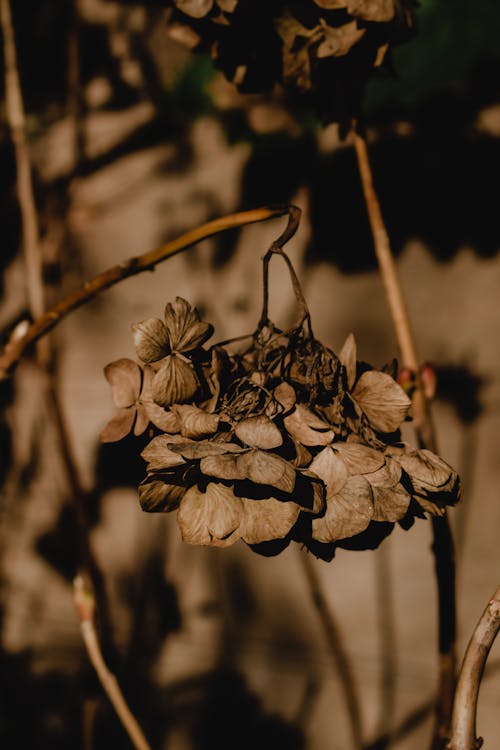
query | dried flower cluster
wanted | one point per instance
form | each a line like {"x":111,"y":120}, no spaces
{"x":325,"y":49}
{"x":281,"y":440}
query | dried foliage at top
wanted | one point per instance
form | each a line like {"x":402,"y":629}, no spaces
{"x":324,"y":49}
{"x":279,"y":441}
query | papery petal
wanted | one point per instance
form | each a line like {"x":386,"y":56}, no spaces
{"x":264,"y":520}
{"x":118,"y":427}
{"x":156,"y":496}
{"x":194,"y":8}
{"x":309,"y":492}
{"x":338,"y":40}
{"x":390,"y":503}
{"x":359,"y":459}
{"x":124,"y":377}
{"x":266,"y":468}
{"x":195,"y":423}
{"x":426,"y":467}
{"x":193,"y":450}
{"x":285,"y":394}
{"x":258,"y":432}
{"x":347,"y":513}
{"x":383,"y":401}
{"x":142,"y":420}
{"x":307,"y":428}
{"x":151,"y":340}
{"x":222,"y":467}
{"x":158,"y":454}
{"x":211,"y":517}
{"x":175,"y":382}
{"x":227,"y":5}
{"x":302,"y":456}
{"x":185,"y":329}
{"x":162,"y":418}
{"x":331,"y":469}
{"x":347,"y":356}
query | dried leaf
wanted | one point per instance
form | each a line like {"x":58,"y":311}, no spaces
{"x":175,"y":382}
{"x":285,"y":395}
{"x":162,"y":418}
{"x":347,"y":356}
{"x":266,"y":468}
{"x":195,"y":423}
{"x":222,"y":467}
{"x":347,"y":513}
{"x":151,"y":340}
{"x":118,"y":427}
{"x":194,"y":8}
{"x":307,"y":428}
{"x":264,"y":520}
{"x":331,"y":470}
{"x":186,"y":331}
{"x":211,"y":517}
{"x":158,"y":454}
{"x":124,"y":377}
{"x":156,"y":496}
{"x":259,"y":432}
{"x":383,"y":401}
{"x":338,"y":40}
{"x":359,"y":459}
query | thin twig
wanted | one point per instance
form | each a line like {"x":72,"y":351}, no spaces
{"x":337,"y":650}
{"x":17,"y":345}
{"x":84,"y":603}
{"x":442,"y":538}
{"x":463,"y":723}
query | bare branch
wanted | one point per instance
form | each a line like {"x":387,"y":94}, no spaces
{"x":463,"y":723}
{"x":85,"y":605}
{"x":18,"y":344}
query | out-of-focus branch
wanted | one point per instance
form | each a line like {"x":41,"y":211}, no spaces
{"x":84,"y":603}
{"x":19,"y":342}
{"x":444,"y":562}
{"x":337,"y":650}
{"x":463,"y":723}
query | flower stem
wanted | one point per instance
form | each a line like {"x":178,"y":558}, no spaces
{"x":442,"y":539}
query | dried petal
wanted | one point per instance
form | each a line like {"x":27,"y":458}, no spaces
{"x":347,"y":356}
{"x":338,"y":40}
{"x":302,"y":456}
{"x":175,"y":382}
{"x":142,"y":420}
{"x":228,"y":6}
{"x":185,"y":330}
{"x":156,"y":496}
{"x":259,"y":432}
{"x":210,"y":517}
{"x":389,"y":503}
{"x":426,"y":467}
{"x":359,"y":459}
{"x":347,"y":513}
{"x":222,"y":467}
{"x":194,"y":8}
{"x":285,"y":394}
{"x":162,"y":418}
{"x":266,"y":468}
{"x":124,"y":377}
{"x":195,"y":423}
{"x":264,"y":520}
{"x":371,"y":10}
{"x":383,"y":401}
{"x":192,"y":450}
{"x":151,"y":340}
{"x":331,"y":469}
{"x":118,"y":427}
{"x":307,"y":428}
{"x":158,"y":454}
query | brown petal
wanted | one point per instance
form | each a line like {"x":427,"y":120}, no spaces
{"x":222,"y":467}
{"x":194,"y":8}
{"x":124,"y":377}
{"x":359,"y":459}
{"x":387,"y":476}
{"x":264,"y":520}
{"x":390,"y":503}
{"x":151,"y":340}
{"x":426,"y":467}
{"x":158,"y":454}
{"x":308,"y":429}
{"x":331,"y":469}
{"x":285,"y":394}
{"x":195,"y":423}
{"x":316,"y":492}
{"x":227,"y":5}
{"x":175,"y":382}
{"x":430,"y":507}
{"x":156,"y":496}
{"x":371,"y":10}
{"x":118,"y":427}
{"x":210,"y":517}
{"x":266,"y":468}
{"x":162,"y":418}
{"x":302,"y":456}
{"x":259,"y":432}
{"x":338,"y":40}
{"x":191,"y":449}
{"x":185,"y":330}
{"x":347,"y":356}
{"x":347,"y":513}
{"x":383,"y":401}
{"x":141,"y":421}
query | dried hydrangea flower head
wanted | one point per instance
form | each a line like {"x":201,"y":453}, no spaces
{"x":274,"y":440}
{"x":324,"y":49}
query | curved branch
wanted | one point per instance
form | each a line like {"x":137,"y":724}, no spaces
{"x":463,"y":723}
{"x":23,"y":337}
